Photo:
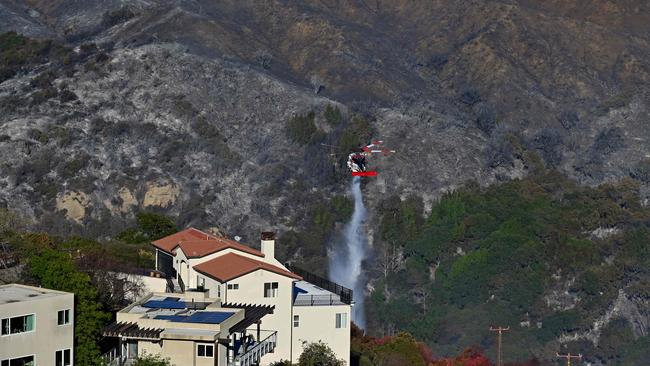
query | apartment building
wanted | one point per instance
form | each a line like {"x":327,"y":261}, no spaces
{"x":307,"y":308}
{"x":190,"y":329}
{"x":36,"y":326}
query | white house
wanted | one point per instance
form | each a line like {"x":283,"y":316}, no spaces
{"x":36,"y":326}
{"x":307,"y":308}
{"x":189,"y":329}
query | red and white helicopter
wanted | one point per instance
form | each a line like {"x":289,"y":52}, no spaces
{"x":357,"y":160}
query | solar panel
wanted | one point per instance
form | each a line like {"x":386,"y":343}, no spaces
{"x":173,"y":318}
{"x":165,"y":304}
{"x":204,"y":317}
{"x":208,"y":317}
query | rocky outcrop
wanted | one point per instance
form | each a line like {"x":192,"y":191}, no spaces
{"x":74,"y":204}
{"x":160,"y":195}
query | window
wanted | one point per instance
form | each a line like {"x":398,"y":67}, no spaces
{"x":19,"y":324}
{"x":341,"y":320}
{"x":63,"y":317}
{"x":205,"y":350}
{"x":63,"y":358}
{"x":22,"y":361}
{"x":271,"y":289}
{"x":219,"y":291}
{"x":233,"y":286}
{"x":296,"y":321}
{"x":200,"y":282}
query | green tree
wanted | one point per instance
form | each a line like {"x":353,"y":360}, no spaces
{"x":155,"y":226}
{"x":151,"y":226}
{"x":56,"y":270}
{"x":318,"y":354}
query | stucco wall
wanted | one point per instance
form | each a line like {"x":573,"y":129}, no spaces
{"x":318,"y":323}
{"x":251,"y":291}
{"x":47,"y":337}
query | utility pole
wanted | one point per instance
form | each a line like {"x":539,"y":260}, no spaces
{"x":569,"y":357}
{"x":499,"y":330}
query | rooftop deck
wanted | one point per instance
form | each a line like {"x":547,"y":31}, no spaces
{"x":19,"y":293}
{"x":178,"y":310}
{"x":308,"y":294}
{"x":318,"y":289}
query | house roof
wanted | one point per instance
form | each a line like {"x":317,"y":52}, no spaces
{"x":18,"y":293}
{"x":231,"y":265}
{"x":196,"y":243}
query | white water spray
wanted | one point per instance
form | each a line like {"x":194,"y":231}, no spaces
{"x":345,"y":263}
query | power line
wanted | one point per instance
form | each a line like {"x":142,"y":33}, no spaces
{"x":499,"y":330}
{"x":569,"y":357}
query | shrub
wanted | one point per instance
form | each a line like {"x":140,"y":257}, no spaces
{"x":548,"y":143}
{"x":43,"y":80}
{"x":609,"y":141}
{"x":263,"y":59}
{"x":38,"y":135}
{"x":302,"y":129}
{"x":18,"y":53}
{"x":318,"y":354}
{"x":569,"y":119}
{"x":641,"y":171}
{"x":67,"y":96}
{"x":554,"y":325}
{"x":333,"y":115}
{"x":486,"y":118}
{"x":152,"y":360}
{"x":42,"y":96}
{"x":281,"y":363}
{"x":470,"y":96}
{"x":121,"y":15}
{"x":437,"y":61}
{"x":72,"y":167}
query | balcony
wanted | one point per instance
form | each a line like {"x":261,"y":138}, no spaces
{"x":317,"y":300}
{"x":251,"y":354}
{"x":343,"y":294}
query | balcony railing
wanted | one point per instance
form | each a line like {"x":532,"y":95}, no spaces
{"x":344,"y":293}
{"x":254,"y":354}
{"x":317,"y":300}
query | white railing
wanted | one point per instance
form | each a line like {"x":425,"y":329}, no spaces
{"x":254,"y":354}
{"x":112,"y":357}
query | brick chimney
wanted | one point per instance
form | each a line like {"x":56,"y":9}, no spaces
{"x":268,"y":244}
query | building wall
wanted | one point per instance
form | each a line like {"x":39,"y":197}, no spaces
{"x":222,"y":359}
{"x":47,"y":337}
{"x":150,"y":348}
{"x":180,"y":352}
{"x":215,"y":288}
{"x":251,"y":291}
{"x":318,"y":323}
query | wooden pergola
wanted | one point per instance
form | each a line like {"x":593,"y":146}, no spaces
{"x":131,"y":330}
